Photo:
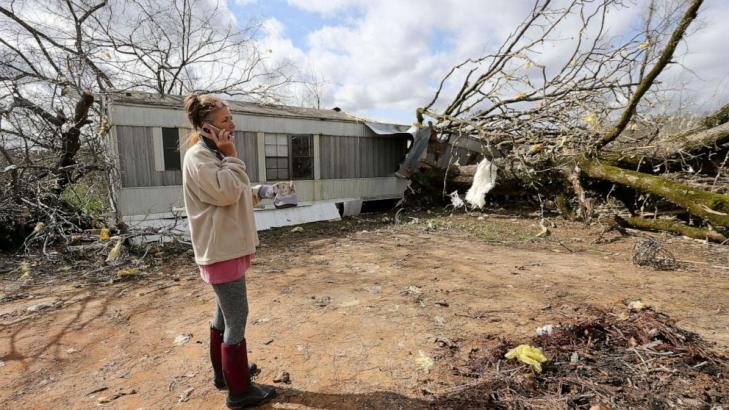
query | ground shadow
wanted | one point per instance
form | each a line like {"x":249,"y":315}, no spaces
{"x":371,"y":400}
{"x":48,"y":342}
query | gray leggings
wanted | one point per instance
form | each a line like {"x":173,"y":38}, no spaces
{"x":231,"y":310}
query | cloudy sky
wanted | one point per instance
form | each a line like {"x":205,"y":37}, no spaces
{"x":384,"y":58}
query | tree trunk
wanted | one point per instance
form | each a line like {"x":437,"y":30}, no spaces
{"x":71,"y":143}
{"x":670,"y":226}
{"x":672,"y":149}
{"x":700,"y":139}
{"x":719,"y":117}
{"x":711,"y":207}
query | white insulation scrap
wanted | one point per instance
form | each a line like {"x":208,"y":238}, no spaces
{"x":483,"y":182}
{"x":456,"y":201}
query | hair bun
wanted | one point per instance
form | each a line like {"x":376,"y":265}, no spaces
{"x":198,"y":107}
{"x":191,"y":101}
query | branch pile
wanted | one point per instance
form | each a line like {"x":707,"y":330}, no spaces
{"x":614,"y":359}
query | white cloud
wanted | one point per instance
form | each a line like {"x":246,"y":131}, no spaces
{"x":381,"y":55}
{"x":705,"y":59}
{"x":278,"y":47}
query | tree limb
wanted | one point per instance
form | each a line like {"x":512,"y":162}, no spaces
{"x":646,"y":83}
{"x":710,"y":206}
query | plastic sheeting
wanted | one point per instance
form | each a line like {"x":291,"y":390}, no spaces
{"x":483,"y":182}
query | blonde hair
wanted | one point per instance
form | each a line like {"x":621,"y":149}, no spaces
{"x":198,"y":109}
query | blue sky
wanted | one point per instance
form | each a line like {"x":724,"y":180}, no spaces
{"x":298,"y":23}
{"x":382,"y":59}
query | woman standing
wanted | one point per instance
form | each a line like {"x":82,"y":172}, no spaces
{"x":219,"y":202}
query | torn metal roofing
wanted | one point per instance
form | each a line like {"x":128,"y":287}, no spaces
{"x":389,"y":129}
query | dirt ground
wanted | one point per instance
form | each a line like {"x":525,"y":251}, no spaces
{"x":355,"y":311}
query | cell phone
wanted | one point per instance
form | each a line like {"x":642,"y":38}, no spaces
{"x":206,"y":130}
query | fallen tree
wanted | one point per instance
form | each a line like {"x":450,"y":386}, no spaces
{"x":565,"y":137}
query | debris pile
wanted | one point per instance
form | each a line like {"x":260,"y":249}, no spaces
{"x":628,"y":359}
{"x":651,"y":252}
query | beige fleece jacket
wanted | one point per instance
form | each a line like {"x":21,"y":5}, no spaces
{"x":219,"y":201}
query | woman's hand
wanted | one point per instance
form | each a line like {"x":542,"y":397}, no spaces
{"x":224,"y":140}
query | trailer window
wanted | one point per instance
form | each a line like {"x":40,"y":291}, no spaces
{"x":302,"y":157}
{"x":289,"y":157}
{"x":171,"y":148}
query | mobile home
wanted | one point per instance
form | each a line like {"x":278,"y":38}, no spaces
{"x":334,"y":158}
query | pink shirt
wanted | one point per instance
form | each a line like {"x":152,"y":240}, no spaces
{"x":226,"y":271}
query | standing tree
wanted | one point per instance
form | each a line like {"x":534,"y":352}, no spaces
{"x":312,"y":89}
{"x":185,"y":46}
{"x":48,"y":76}
{"x":60,"y":58}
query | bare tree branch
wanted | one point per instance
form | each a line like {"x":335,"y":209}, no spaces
{"x":646,"y":82}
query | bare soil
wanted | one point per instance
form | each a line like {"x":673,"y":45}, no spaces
{"x":362,"y":313}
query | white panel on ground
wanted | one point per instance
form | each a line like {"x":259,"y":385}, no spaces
{"x":304,"y":213}
{"x":265,"y":219}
